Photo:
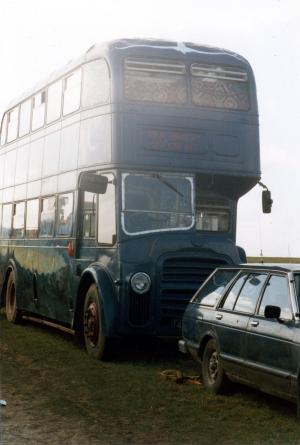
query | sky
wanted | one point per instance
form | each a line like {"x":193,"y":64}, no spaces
{"x":39,"y":36}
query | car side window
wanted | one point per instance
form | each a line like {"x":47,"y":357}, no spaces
{"x":277,"y":294}
{"x":250,"y":292}
{"x":211,"y":292}
{"x":231,"y":297}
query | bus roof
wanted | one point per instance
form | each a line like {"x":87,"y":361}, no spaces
{"x":104,"y":49}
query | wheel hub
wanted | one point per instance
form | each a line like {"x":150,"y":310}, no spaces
{"x":213,"y":366}
{"x":91,"y":323}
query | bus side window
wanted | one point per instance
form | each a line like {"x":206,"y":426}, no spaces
{"x":95,"y":85}
{"x":107,"y":214}
{"x":54,"y":100}
{"x":72,"y":92}
{"x":47,"y":216}
{"x":25,"y":114}
{"x":3,"y":129}
{"x":38,"y":110}
{"x":6,"y":220}
{"x":12,"y":127}
{"x":89,"y":215}
{"x":18,"y":220}
{"x":32,"y":218}
{"x":64,"y":218}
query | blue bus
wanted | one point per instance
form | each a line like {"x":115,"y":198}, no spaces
{"x":120,"y":176}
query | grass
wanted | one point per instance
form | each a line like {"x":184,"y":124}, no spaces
{"x":56,"y":394}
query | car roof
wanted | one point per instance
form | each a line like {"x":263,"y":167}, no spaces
{"x":269,"y":267}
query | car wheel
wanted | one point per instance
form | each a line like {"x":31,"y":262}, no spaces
{"x":213,"y":375}
{"x":95,"y":341}
{"x":13,"y":315}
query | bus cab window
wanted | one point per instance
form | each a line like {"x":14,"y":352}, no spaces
{"x":89,"y":215}
{"x":6,"y":220}
{"x":213,"y":215}
{"x":18,"y":220}
{"x":107,"y":214}
{"x":64,"y":215}
{"x":47,"y":216}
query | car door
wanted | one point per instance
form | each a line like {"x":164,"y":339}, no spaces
{"x":232,"y":318}
{"x":269,"y":342}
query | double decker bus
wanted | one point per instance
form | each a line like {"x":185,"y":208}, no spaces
{"x":119,"y":181}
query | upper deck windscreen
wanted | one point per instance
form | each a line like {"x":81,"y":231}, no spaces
{"x":174,"y":82}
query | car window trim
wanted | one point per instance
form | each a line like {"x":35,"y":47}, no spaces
{"x":278,"y":274}
{"x":247,"y":273}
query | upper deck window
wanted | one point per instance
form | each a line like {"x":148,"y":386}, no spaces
{"x":72,"y":92}
{"x":38,"y":110}
{"x":25,"y":113}
{"x":95,"y":85}
{"x":3,"y":129}
{"x":12,"y":127}
{"x":161,"y":81}
{"x":54,"y":101}
{"x":219,"y":87}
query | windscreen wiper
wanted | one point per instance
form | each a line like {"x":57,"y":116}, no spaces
{"x":167,"y":183}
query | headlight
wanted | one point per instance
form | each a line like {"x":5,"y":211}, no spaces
{"x":140,"y":282}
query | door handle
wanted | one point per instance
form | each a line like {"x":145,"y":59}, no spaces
{"x":254,"y":323}
{"x":219,"y":316}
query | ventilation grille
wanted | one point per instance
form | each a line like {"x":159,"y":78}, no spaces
{"x":218,"y":72}
{"x":155,"y":66}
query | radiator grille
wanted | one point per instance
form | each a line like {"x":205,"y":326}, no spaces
{"x":139,"y":309}
{"x":180,"y":278}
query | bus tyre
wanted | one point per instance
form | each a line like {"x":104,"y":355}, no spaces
{"x":95,"y":341}
{"x":213,"y":376}
{"x":13,"y":315}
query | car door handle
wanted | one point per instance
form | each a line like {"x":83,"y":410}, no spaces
{"x":219,"y":316}
{"x":254,"y":323}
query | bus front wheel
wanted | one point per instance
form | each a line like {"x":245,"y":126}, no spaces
{"x":13,"y":315}
{"x":95,"y":341}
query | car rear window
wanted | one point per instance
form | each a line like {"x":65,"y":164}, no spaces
{"x":210,"y":293}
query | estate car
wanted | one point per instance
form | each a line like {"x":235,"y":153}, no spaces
{"x":243,"y":324}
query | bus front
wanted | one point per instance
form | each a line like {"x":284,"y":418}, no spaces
{"x":185,"y":147}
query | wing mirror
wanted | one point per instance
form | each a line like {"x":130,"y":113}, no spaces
{"x":272,"y":312}
{"x":267,"y":201}
{"x":90,"y":182}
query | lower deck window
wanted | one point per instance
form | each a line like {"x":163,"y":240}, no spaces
{"x":47,"y":216}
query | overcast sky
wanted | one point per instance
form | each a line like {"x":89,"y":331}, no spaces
{"x":38,"y":36}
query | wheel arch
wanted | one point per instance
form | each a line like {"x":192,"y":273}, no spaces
{"x":101,"y":278}
{"x":205,"y":339}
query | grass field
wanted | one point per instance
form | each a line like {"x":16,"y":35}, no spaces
{"x":56,"y":394}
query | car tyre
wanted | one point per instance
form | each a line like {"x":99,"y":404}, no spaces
{"x":213,"y":375}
